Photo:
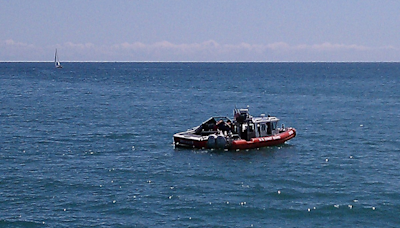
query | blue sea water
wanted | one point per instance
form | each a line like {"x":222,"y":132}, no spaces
{"x":90,"y":145}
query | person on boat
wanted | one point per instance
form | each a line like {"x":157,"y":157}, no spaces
{"x":229,"y":125}
{"x":224,"y":127}
{"x":220,"y":124}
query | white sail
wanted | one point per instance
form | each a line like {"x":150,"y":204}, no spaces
{"x":57,"y":61}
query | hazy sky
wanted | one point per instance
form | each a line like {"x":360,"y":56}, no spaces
{"x":191,"y":30}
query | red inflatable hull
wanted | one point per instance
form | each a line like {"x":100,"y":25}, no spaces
{"x":241,"y":144}
{"x":274,"y":140}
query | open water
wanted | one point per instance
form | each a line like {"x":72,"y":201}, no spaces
{"x":90,"y":145}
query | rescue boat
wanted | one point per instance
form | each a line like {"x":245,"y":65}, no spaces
{"x":243,"y":132}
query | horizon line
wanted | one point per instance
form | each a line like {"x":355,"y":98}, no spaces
{"x":17,"y":61}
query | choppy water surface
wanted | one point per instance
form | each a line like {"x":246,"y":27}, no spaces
{"x":91,"y":145}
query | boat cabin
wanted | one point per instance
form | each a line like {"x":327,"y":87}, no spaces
{"x":249,"y":127}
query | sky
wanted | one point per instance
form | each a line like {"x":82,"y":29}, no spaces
{"x":201,"y":30}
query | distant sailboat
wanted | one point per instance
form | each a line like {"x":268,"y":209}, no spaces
{"x":56,"y":61}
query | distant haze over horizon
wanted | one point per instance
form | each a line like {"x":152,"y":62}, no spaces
{"x":200,"y":31}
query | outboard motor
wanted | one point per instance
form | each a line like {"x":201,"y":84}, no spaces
{"x":211,"y":141}
{"x":220,"y":142}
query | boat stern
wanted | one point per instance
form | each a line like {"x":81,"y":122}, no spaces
{"x":186,"y":139}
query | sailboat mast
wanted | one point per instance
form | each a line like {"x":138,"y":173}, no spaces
{"x":55,"y":58}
